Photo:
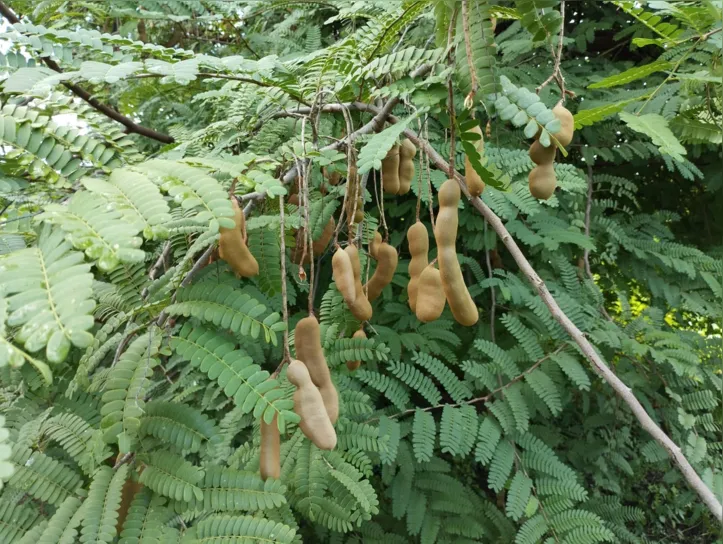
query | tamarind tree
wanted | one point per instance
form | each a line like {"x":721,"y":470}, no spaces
{"x":356,"y":271}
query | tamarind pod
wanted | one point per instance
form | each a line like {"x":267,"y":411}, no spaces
{"x":541,"y":154}
{"x":129,"y":490}
{"x":359,"y":214}
{"x":343,"y":274}
{"x":430,"y":295}
{"x":374,"y":244}
{"x":307,"y":338}
{"x":233,"y":249}
{"x":362,"y":308}
{"x":445,"y":232}
{"x":390,"y":171}
{"x":542,"y":181}
{"x":568,"y":125}
{"x":320,"y":243}
{"x":387,"y":258}
{"x":407,"y":151}
{"x":418,"y":239}
{"x":294,"y":199}
{"x":353,"y":365}
{"x":475,"y":185}
{"x":269,"y":459}
{"x":309,"y":406}
{"x":334,"y":178}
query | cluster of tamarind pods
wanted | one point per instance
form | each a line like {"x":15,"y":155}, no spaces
{"x":430,"y":288}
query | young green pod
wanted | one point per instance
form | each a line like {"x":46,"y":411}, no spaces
{"x":418,"y":239}
{"x":233,"y":249}
{"x":343,"y":274}
{"x":309,"y":406}
{"x":307,"y":339}
{"x":445,"y":232}
{"x":353,"y":365}
{"x":390,"y":171}
{"x":475,"y":185}
{"x":407,"y":151}
{"x":430,"y":295}
{"x":269,"y":458}
{"x":362,"y":308}
{"x":387,"y":260}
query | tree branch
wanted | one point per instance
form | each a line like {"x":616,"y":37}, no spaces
{"x":86,"y":96}
{"x":599,"y":366}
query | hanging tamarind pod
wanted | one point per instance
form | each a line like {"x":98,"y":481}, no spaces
{"x":374,"y":245}
{"x":269,"y":458}
{"x":361,"y":309}
{"x":307,"y":339}
{"x":407,"y":151}
{"x":353,"y":365}
{"x":390,"y":171}
{"x":387,"y":260}
{"x":430,"y":295}
{"x":475,"y":185}
{"x":309,"y":406}
{"x":233,"y":249}
{"x":418,"y":239}
{"x":445,"y":233}
{"x":343,"y":275}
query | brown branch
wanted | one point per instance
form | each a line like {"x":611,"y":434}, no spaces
{"x":86,"y":96}
{"x":597,"y":363}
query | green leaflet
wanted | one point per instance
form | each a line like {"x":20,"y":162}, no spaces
{"x":633,"y":74}
{"x":656,"y":126}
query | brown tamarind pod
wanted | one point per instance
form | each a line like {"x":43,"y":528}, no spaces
{"x":407,"y":151}
{"x":541,"y":154}
{"x":564,"y":136}
{"x":323,"y":240}
{"x":269,"y":458}
{"x":359,"y":214}
{"x":129,"y":490}
{"x":294,"y":199}
{"x":430,"y":295}
{"x":353,"y":365}
{"x":307,"y":339}
{"x":418,"y":239}
{"x":233,"y":249}
{"x":374,"y":244}
{"x":362,"y":308}
{"x":542,"y":181}
{"x":332,"y":177}
{"x":445,"y":232}
{"x":343,"y":275}
{"x":387,"y":260}
{"x":390,"y":171}
{"x":475,"y":185}
{"x":309,"y":406}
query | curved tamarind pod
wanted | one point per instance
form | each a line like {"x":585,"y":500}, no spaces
{"x":387,"y":264}
{"x":430,"y":295}
{"x":353,"y":365}
{"x":374,"y":244}
{"x":418,"y":239}
{"x":542,"y":181}
{"x":343,"y":274}
{"x":269,"y":458}
{"x":309,"y":406}
{"x":541,"y":154}
{"x":307,"y":338}
{"x":475,"y":185}
{"x":445,"y":232}
{"x":390,"y":171}
{"x":233,"y":249}
{"x":407,"y":151}
{"x":568,"y":124}
{"x":320,"y":243}
{"x":361,"y":309}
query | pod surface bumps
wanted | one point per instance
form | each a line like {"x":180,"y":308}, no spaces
{"x":390,"y":171}
{"x":418,"y":239}
{"x":233,"y":249}
{"x":307,"y":339}
{"x":362,"y":308}
{"x":309,"y":406}
{"x":270,"y":456}
{"x":430,"y":295}
{"x":387,"y":260}
{"x":445,"y":233}
{"x":353,"y":365}
{"x":475,"y":185}
{"x":407,"y":151}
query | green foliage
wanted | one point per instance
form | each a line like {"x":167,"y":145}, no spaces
{"x":135,"y":370}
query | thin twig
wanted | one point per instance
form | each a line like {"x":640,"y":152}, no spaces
{"x":557,"y":56}
{"x":469,"y":100}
